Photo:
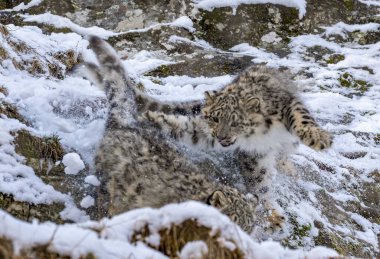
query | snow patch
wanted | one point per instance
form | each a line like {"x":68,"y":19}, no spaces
{"x":73,"y":163}
{"x":87,"y":202}
{"x":92,"y":179}
{"x":194,"y":250}
{"x":342,"y":28}
{"x":23,"y":6}
{"x":62,"y":22}
{"x":210,"y":5}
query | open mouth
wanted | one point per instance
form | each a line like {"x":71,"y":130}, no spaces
{"x":226,"y":143}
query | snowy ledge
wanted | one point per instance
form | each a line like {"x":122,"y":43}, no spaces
{"x":196,"y":229}
{"x":209,"y":5}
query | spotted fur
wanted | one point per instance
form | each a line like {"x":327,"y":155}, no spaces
{"x":138,"y":167}
{"x":257,"y":112}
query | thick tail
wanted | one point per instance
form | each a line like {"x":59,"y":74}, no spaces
{"x":148,"y":103}
{"x":111,"y":76}
{"x":300,"y":122}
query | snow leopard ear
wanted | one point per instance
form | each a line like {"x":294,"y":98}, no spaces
{"x":218,"y":200}
{"x":252,"y":103}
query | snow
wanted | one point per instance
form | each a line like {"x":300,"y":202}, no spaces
{"x":194,"y":250}
{"x":370,"y":2}
{"x":62,"y":22}
{"x":92,"y":179}
{"x":184,"y":22}
{"x":341,"y":28}
{"x":73,"y":163}
{"x":49,"y":105}
{"x":20,"y":180}
{"x":209,"y":5}
{"x":23,"y":6}
{"x":87,"y":202}
{"x":271,"y":37}
{"x":114,"y":235}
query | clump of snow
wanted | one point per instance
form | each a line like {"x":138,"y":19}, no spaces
{"x":184,"y":22}
{"x":23,"y":6}
{"x":209,"y":5}
{"x":73,"y":163}
{"x":194,"y":250}
{"x":92,"y":179}
{"x":62,"y":22}
{"x":271,"y":37}
{"x":342,"y":28}
{"x":370,"y":2}
{"x":87,"y":202}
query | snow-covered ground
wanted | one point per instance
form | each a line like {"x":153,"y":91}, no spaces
{"x":333,"y":171}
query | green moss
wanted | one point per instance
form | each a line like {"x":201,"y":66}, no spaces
{"x":349,"y":4}
{"x":336,"y":242}
{"x":335,"y":58}
{"x":348,"y":81}
{"x":161,"y":71}
{"x":298,"y":233}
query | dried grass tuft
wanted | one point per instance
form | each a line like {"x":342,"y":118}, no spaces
{"x":173,"y":239}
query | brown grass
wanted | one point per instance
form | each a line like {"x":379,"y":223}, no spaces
{"x":19,"y":47}
{"x":9,"y":110}
{"x":55,"y":71}
{"x":36,"y":252}
{"x":173,"y":239}
{"x":36,"y":67}
{"x":3,"y":54}
{"x":68,"y":58}
{"x":3,"y":30}
{"x":3,"y":90}
{"x":41,"y":148}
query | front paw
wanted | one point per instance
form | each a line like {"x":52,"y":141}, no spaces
{"x":317,"y":138}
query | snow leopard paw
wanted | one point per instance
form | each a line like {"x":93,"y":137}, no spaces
{"x":316,"y":138}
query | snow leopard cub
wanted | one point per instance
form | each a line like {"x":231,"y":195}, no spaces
{"x":259,"y":112}
{"x":138,"y":167}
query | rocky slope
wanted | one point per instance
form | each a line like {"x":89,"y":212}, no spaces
{"x":330,"y":198}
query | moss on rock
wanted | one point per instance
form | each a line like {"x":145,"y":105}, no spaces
{"x":348,"y":81}
{"x":335,"y":58}
{"x":28,"y":212}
